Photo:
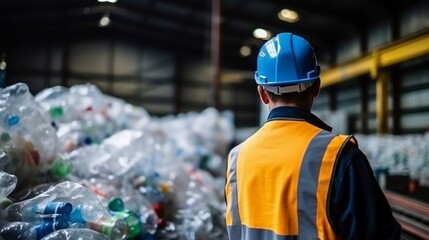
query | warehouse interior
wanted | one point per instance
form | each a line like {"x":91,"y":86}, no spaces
{"x":188,"y":67}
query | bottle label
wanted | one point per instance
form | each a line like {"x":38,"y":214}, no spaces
{"x":53,"y":208}
{"x":103,"y":226}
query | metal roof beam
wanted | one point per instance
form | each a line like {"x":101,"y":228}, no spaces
{"x":394,"y":53}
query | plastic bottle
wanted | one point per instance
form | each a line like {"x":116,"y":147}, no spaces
{"x":38,"y":232}
{"x":84,"y":213}
{"x":116,"y":206}
{"x":27,"y":231}
{"x":7,"y":184}
{"x":51,"y":212}
{"x":53,"y":208}
{"x":31,"y":192}
{"x":14,"y":230}
{"x":21,"y":117}
{"x":114,"y":228}
{"x":132,"y":221}
{"x":75,"y":234}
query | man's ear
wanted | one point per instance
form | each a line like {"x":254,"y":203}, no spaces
{"x":263,"y":95}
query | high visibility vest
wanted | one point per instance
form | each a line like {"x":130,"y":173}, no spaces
{"x":278,"y":180}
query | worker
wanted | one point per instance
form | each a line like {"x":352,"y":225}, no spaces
{"x":293,"y":178}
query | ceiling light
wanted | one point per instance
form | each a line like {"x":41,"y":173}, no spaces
{"x":245,"y":51}
{"x":261,"y":34}
{"x":288,"y":15}
{"x":3,"y":65}
{"x":110,"y":1}
{"x":104,"y":21}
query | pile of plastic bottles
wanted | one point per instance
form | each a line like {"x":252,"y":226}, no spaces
{"x":398,"y":154}
{"x":78,"y":164}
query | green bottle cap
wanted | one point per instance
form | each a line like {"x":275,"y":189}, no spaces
{"x":61,"y":168}
{"x":5,"y":137}
{"x":116,"y":204}
{"x":56,"y":112}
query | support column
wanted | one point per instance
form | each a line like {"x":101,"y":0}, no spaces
{"x":382,"y":95}
{"x":178,"y":82}
{"x":396,"y":103}
{"x":215,"y":52}
{"x":65,"y":50}
{"x":364,"y":106}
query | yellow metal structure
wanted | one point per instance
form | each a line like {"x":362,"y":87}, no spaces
{"x":397,"y":52}
{"x":375,"y":65}
{"x":382,"y":95}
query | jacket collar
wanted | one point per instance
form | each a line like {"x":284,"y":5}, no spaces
{"x":292,"y":113}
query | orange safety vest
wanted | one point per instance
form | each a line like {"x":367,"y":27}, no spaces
{"x":278,"y":180}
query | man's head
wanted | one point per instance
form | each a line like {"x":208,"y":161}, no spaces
{"x":287,"y":70}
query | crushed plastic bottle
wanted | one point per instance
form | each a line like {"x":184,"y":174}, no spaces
{"x":18,"y":157}
{"x":117,"y":209}
{"x":7,"y":184}
{"x":15,"y":230}
{"x":84,"y":213}
{"x":53,"y":208}
{"x":75,"y":234}
{"x":86,"y":206}
{"x":114,"y":228}
{"x":20,"y":116}
{"x":40,"y":231}
{"x":27,"y":231}
{"x":40,"y":214}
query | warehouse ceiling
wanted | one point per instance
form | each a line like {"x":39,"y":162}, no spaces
{"x":188,"y":24}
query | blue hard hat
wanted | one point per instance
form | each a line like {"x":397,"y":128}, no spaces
{"x":286,"y":59}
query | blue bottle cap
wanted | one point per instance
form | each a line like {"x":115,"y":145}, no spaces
{"x":12,"y":120}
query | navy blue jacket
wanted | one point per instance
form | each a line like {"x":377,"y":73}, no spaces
{"x":357,"y":207}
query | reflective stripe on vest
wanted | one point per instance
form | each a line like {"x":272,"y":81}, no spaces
{"x":304,"y":216}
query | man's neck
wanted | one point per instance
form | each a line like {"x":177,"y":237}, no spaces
{"x":306,"y":106}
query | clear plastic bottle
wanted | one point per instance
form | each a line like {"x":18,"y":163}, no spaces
{"x":27,"y":231}
{"x":7,"y":184}
{"x":53,"y":208}
{"x":75,"y":234}
{"x":114,"y":228}
{"x":15,"y":230}
{"x":84,"y":213}
{"x":44,"y":229}
{"x":117,"y":209}
{"x":56,"y":211}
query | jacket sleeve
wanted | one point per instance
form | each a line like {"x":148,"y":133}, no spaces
{"x":357,"y":207}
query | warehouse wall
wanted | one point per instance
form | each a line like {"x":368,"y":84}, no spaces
{"x":162,"y":81}
{"x":123,"y":69}
{"x":414,"y":98}
{"x":411,"y":79}
{"x":198,"y":92}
